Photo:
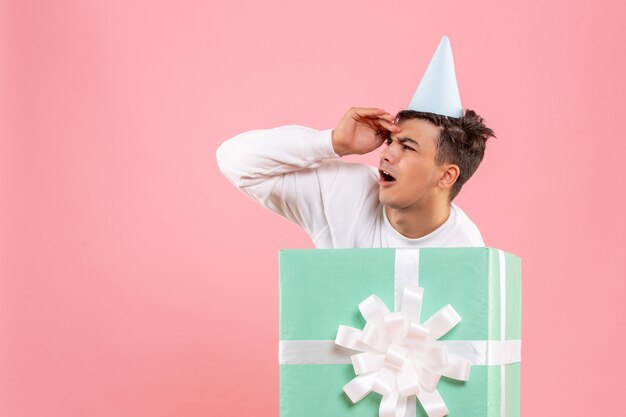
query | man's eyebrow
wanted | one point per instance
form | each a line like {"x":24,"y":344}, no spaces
{"x":405,"y":139}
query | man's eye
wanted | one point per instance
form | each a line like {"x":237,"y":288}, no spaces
{"x":388,"y":141}
{"x":408,"y":147}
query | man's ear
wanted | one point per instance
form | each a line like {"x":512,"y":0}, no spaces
{"x":449,"y":175}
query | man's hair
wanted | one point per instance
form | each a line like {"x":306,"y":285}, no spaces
{"x":461,"y":141}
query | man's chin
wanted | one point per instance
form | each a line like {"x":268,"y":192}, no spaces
{"x":385,"y":200}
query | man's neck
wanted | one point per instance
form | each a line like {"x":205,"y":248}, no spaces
{"x":416,"y":222}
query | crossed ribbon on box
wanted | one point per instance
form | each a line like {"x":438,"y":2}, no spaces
{"x":401,"y":357}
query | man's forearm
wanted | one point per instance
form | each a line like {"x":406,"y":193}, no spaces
{"x":262,"y":153}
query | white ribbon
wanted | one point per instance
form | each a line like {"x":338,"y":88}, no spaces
{"x":326,"y":352}
{"x":502,"y":264}
{"x":401,"y":357}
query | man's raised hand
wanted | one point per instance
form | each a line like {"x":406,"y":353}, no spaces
{"x":361,"y":130}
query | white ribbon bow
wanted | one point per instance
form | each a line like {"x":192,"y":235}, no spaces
{"x":401,"y":357}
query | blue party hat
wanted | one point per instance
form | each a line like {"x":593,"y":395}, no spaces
{"x":438,"y":91}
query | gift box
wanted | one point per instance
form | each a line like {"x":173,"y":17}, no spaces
{"x":324,"y":294}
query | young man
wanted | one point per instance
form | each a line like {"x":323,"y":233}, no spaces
{"x":431,"y":150}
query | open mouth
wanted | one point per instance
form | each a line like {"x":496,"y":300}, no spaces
{"x":385,"y":176}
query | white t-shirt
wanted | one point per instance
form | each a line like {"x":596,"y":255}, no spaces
{"x":294,"y":171}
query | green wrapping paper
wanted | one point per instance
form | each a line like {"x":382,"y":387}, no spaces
{"x":321,"y":289}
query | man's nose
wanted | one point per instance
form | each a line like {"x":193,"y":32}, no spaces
{"x":389,"y":154}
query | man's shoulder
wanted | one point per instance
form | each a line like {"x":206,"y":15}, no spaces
{"x":465,"y":226}
{"x":349,"y":170}
{"x":350,"y":198}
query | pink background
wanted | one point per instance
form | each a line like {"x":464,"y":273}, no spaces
{"x":135,"y":281}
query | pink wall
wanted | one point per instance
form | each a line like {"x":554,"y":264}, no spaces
{"x":135,"y":281}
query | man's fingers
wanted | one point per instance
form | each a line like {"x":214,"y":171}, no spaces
{"x":367,"y":111}
{"x":370,"y":115}
{"x":388,"y":116}
{"x":387,"y":125}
